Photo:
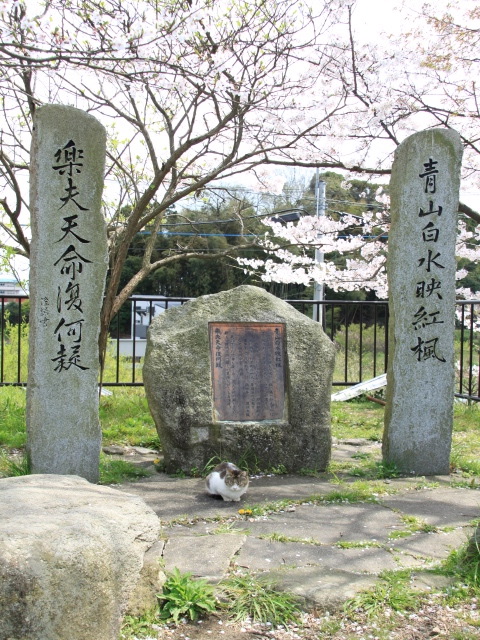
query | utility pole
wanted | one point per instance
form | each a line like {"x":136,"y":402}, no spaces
{"x":319,"y":287}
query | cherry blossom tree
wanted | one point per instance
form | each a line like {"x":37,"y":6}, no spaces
{"x":423,"y":77}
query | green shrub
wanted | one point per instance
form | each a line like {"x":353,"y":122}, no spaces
{"x":185,"y":597}
{"x":393,"y":592}
{"x":257,"y":599}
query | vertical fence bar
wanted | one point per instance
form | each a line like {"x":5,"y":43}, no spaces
{"x":387,"y":320}
{"x":462,"y":338}
{"x":19,"y":346}
{"x":360,"y":346}
{"x":134,"y":324}
{"x":2,"y":360}
{"x":117,"y":364}
{"x":346,"y":346}
{"x":332,"y":323}
{"x":375,"y":320}
{"x":470,"y":352}
{"x":478,"y":374}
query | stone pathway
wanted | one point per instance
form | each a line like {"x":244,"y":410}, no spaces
{"x":323,"y":552}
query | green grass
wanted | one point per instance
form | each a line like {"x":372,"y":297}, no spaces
{"x":12,"y":417}
{"x":117,"y":471}
{"x":393,"y":591}
{"x":126,"y":419}
{"x":412,"y":525}
{"x":250,"y":597}
{"x":13,"y":465}
{"x":134,"y":628}
{"x":184,"y":597}
{"x":357,"y":419}
{"x":464,"y":563}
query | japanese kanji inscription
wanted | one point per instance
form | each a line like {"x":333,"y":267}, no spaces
{"x":248,"y":370}
{"x":421,"y":275}
{"x":67,"y":275}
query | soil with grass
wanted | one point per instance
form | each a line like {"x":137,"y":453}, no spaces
{"x":432,"y":620}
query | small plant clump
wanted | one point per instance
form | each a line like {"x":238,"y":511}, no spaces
{"x":13,"y":466}
{"x":117,"y":471}
{"x":258,"y":600}
{"x":464,"y":563}
{"x":185,"y":597}
{"x":393,"y":592}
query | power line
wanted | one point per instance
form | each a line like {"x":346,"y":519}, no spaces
{"x":200,"y":235}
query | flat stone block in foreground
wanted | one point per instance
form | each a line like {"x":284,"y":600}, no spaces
{"x":71,"y":557}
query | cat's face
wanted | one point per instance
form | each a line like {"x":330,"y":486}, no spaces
{"x":236,"y":477}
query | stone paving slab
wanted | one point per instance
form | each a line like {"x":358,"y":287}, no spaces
{"x":440,"y":507}
{"x":207,"y":557}
{"x":320,"y":572}
{"x":321,"y":588}
{"x":331,"y":523}
{"x":174,"y":498}
{"x":436,"y":545}
{"x":263,"y":555}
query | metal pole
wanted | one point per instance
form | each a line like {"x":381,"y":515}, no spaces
{"x":318,"y":287}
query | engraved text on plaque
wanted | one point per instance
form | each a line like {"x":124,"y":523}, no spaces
{"x":248,"y":370}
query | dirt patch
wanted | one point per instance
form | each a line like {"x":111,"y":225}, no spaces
{"x":430,"y":621}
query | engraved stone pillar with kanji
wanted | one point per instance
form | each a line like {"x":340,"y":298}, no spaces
{"x":67,"y":276}
{"x":421,"y":274}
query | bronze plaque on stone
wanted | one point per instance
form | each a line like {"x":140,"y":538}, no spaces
{"x":248,"y":370}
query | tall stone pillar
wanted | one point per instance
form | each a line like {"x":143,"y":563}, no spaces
{"x":67,"y":277}
{"x":421,"y":274}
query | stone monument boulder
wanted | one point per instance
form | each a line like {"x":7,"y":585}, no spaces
{"x":243,"y":376}
{"x":71,"y":556}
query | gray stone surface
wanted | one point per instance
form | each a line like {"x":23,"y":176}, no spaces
{"x":177,"y":367}
{"x":421,"y":275}
{"x":71,"y":556}
{"x":322,"y":588}
{"x":440,"y":507}
{"x":68,"y":264}
{"x":420,"y":544}
{"x":152,"y":577}
{"x":331,"y":523}
{"x":309,"y":560}
{"x":264,"y":555}
{"x":213,"y":554}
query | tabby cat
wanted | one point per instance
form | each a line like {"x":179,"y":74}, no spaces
{"x":228,"y":481}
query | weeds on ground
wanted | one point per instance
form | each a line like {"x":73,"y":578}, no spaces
{"x":413,"y":525}
{"x":126,"y":419}
{"x":359,"y":491}
{"x":134,"y":627}
{"x":357,"y":419}
{"x":13,"y":466}
{"x":185,"y":597}
{"x":250,"y":597}
{"x":12,"y":417}
{"x":117,"y":471}
{"x":368,"y":469}
{"x":393,"y":592}
{"x":464,"y":564}
{"x":111,"y":471}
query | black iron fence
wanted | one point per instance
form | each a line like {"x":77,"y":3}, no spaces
{"x":358,"y":329}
